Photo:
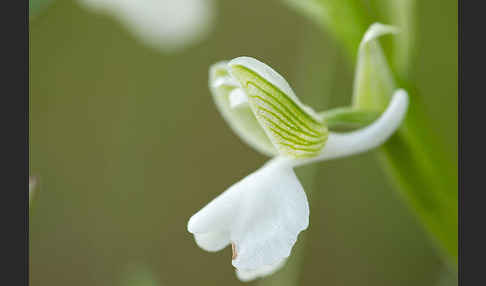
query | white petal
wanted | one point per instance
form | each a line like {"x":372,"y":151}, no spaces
{"x":212,"y":241}
{"x":273,"y":211}
{"x":241,"y":120}
{"x":237,"y":97}
{"x":219,"y":214}
{"x":225,"y":80}
{"x":263,"y":215}
{"x":339,"y":145}
{"x":266,"y":270}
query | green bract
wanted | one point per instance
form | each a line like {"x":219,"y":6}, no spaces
{"x":373,"y":82}
{"x":263,"y":110}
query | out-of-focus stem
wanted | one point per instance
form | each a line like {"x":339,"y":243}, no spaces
{"x":347,"y":20}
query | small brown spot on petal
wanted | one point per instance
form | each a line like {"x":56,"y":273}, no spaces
{"x":233,"y":250}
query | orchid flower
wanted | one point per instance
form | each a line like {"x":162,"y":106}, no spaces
{"x":167,"y":25}
{"x":262,"y":215}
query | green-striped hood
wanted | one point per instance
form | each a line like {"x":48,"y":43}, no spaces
{"x":262,"y":109}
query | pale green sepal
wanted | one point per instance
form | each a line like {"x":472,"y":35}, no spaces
{"x":240,"y":119}
{"x":294,"y":128}
{"x":373,"y":83}
{"x":348,"y":118}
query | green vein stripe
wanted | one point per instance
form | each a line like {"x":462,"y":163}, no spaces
{"x":283,"y":122}
{"x":290,"y":107}
{"x":291,"y":102}
{"x":291,"y":143}
{"x":298,"y":140}
{"x":288,"y":124}
{"x":309,"y":131}
{"x":310,"y":150}
{"x":296,"y":136}
{"x":289,"y":112}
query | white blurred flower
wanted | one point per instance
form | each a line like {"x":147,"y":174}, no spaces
{"x":262,"y":215}
{"x":32,"y":186}
{"x":167,"y":25}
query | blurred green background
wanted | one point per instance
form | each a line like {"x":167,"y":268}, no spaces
{"x":127,"y":145}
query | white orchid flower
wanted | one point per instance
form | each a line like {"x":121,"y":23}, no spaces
{"x":167,"y":25}
{"x":262,"y":215}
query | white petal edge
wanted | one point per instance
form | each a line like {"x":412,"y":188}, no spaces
{"x":266,"y":270}
{"x":376,"y":30}
{"x":212,"y":241}
{"x":265,"y":72}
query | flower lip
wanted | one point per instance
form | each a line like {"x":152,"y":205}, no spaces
{"x":261,"y":215}
{"x":248,"y":275}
